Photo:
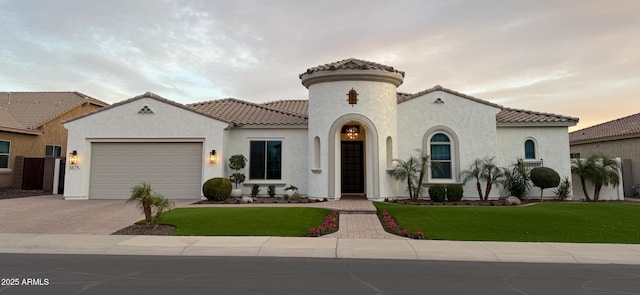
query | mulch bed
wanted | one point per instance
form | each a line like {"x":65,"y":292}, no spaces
{"x":11,"y":193}
{"x":141,"y":229}
{"x":261,"y":200}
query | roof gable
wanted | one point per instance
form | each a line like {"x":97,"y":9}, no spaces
{"x":403,"y":97}
{"x":152,"y":96}
{"x":28,"y":111}
{"x":625,"y":127}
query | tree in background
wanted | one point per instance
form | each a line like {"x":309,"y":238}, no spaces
{"x":598,"y":169}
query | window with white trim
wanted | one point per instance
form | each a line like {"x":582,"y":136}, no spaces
{"x":441,"y":159}
{"x":52,"y":151}
{"x":5,"y":150}
{"x":265,"y":159}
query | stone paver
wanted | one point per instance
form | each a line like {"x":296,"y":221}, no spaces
{"x":361,"y":226}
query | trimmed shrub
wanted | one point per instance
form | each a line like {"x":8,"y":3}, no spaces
{"x":437,"y":193}
{"x":454,"y":192}
{"x":255,"y":190}
{"x":217,"y":189}
{"x":271,"y":190}
{"x":544,"y":177}
{"x":564,"y":189}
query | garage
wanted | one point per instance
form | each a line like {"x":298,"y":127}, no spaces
{"x":174,"y":169}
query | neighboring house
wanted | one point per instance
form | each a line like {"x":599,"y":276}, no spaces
{"x":31,"y":127}
{"x":619,"y":138}
{"x":341,"y":141}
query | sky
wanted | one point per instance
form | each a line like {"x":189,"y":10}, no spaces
{"x":574,"y":58}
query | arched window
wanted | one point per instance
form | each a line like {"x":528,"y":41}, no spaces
{"x":316,"y":153}
{"x":529,"y":149}
{"x":389,"y":153}
{"x":440,"y":151}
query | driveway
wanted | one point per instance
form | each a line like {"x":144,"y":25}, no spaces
{"x":53,"y":215}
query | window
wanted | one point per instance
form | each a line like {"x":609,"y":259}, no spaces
{"x":5,"y":147}
{"x":52,"y":151}
{"x":440,"y":148}
{"x":529,"y":149}
{"x":574,"y":155}
{"x":265,"y":159}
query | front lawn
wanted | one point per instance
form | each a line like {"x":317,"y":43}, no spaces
{"x":283,"y":222}
{"x":551,"y":222}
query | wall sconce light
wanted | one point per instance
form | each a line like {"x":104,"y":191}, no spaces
{"x":212,"y":157}
{"x":73,"y":157}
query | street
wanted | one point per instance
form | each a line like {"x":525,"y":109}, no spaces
{"x":103,"y":274}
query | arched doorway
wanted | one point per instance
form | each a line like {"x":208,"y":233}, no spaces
{"x":353,"y":159}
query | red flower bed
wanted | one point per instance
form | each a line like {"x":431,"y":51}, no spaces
{"x":389,"y":224}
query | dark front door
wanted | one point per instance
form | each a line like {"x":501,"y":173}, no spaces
{"x":352,"y":167}
{"x":33,"y":174}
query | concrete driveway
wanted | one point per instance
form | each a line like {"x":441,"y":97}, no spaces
{"x":53,"y":215}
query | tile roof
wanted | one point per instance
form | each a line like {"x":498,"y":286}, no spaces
{"x":27,"y":111}
{"x":351,"y":64}
{"x":240,"y":112}
{"x":516,"y":116}
{"x":296,"y":106}
{"x":505,"y":116}
{"x":625,"y":127}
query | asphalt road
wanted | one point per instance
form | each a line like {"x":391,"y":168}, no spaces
{"x":102,"y":274}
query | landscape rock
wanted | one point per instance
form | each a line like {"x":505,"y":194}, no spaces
{"x":513,"y":201}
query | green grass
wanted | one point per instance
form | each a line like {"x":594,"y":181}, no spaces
{"x":552,"y":222}
{"x":283,"y":222}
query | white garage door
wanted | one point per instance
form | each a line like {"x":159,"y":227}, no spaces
{"x":173,"y":169}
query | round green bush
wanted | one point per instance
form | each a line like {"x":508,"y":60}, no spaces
{"x":544,"y":177}
{"x":437,"y":193}
{"x":454,"y":192}
{"x":217,"y":189}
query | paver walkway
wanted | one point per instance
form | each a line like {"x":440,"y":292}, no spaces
{"x":358,"y":219}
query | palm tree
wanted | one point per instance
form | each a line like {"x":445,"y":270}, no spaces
{"x":474,"y":173}
{"x":149,"y":200}
{"x":413,"y":171}
{"x":492,"y":174}
{"x":583,"y":168}
{"x":160,"y":204}
{"x":483,"y":169}
{"x":607,"y":172}
{"x":141,"y":193}
{"x":598,"y":169}
{"x":404,"y":170}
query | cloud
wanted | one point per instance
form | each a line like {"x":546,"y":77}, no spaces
{"x":544,"y":55}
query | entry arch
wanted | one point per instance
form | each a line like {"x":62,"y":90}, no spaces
{"x":372,"y":163}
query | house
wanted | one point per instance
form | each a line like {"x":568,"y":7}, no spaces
{"x":618,"y":138}
{"x":31,"y":127}
{"x":342,"y":140}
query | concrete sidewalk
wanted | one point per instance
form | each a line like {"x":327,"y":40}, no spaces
{"x":321,"y":248}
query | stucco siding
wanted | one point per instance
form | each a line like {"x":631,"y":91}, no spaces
{"x":624,"y":149}
{"x":123,"y":123}
{"x":328,"y":110}
{"x":294,"y":157}
{"x":552,"y":146}
{"x":472,"y":124}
